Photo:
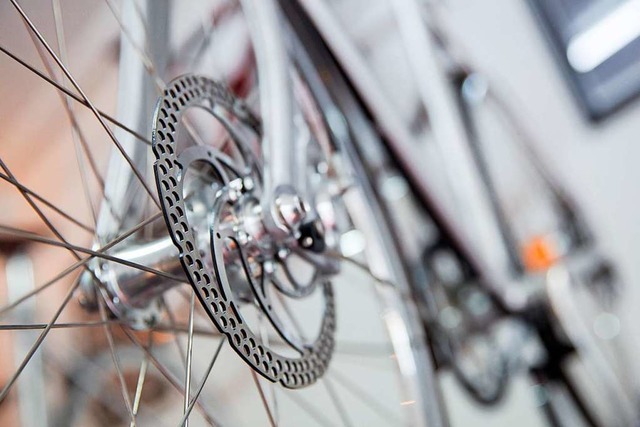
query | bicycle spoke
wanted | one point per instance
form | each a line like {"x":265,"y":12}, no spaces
{"x":263,"y":398}
{"x":362,"y":266}
{"x":169,"y":376}
{"x":272,"y":387}
{"x":361,"y":349}
{"x":36,"y":326}
{"x":291,"y":316}
{"x":342,"y":412}
{"x":141,"y":52}
{"x":372,"y":350}
{"x":131,"y":231}
{"x":404,"y":296}
{"x":328,"y":385}
{"x":140,"y":384}
{"x":202,"y":383}
{"x":187,"y":380}
{"x":208,"y":29}
{"x":41,"y":288}
{"x":116,"y":361}
{"x":94,"y":393}
{"x":172,"y":323}
{"x":365,"y":397}
{"x":98,"y":254}
{"x":48,"y":223}
{"x":67,"y":92}
{"x":185,"y":330}
{"x":152,"y":70}
{"x":79,"y":141}
{"x":46,"y":203}
{"x":310,"y":409}
{"x":91,"y":106}
{"x":80,"y":263}
{"x":36,"y":209}
{"x":37,"y":344}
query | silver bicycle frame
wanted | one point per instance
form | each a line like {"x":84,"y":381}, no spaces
{"x":276,"y":103}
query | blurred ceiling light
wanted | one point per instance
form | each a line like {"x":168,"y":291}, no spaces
{"x":593,"y":46}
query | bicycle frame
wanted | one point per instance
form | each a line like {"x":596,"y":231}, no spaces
{"x":279,"y":149}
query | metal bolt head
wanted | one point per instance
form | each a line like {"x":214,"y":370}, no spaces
{"x":235,"y":189}
{"x":283,"y":253}
{"x":242,"y":237}
{"x":248,"y":183}
{"x":291,"y":210}
{"x":236,"y":184}
{"x":269,"y":267}
{"x":234,"y":195}
{"x":307,"y":242}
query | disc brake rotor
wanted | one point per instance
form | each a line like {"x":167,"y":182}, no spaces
{"x":226,"y":254}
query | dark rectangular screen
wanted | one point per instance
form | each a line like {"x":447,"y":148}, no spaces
{"x":597,"y":43}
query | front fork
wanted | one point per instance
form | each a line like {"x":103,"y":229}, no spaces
{"x":282,"y":204}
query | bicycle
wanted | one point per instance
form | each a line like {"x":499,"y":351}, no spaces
{"x":263,"y":203}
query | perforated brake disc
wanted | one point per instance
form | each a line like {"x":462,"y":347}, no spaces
{"x":235,"y":270}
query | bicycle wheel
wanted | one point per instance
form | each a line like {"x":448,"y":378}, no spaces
{"x":205,"y":317}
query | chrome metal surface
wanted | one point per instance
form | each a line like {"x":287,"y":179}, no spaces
{"x":279,"y":141}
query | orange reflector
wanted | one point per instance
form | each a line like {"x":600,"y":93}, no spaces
{"x":539,"y":254}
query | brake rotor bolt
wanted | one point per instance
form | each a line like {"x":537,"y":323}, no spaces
{"x":268,"y":267}
{"x":242,"y":237}
{"x":236,"y":184}
{"x":283,"y":253}
{"x":235,"y":189}
{"x":307,"y":242}
{"x":248,"y":183}
{"x":291,"y":209}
